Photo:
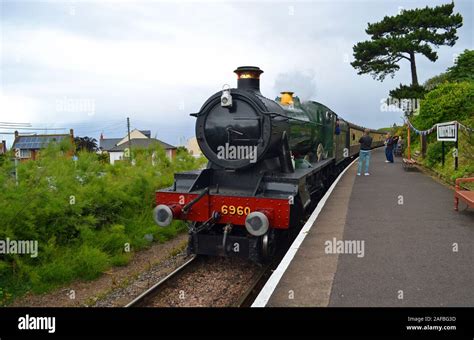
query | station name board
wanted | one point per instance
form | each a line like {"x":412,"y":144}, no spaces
{"x":447,"y":132}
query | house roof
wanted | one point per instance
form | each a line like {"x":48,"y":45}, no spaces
{"x":142,"y":143}
{"x":35,"y":142}
{"x":107,"y":144}
{"x":146,"y":133}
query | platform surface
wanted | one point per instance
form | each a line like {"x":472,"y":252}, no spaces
{"x":417,"y":251}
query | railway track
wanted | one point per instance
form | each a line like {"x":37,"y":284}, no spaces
{"x":140,"y":301}
{"x":206,"y":282}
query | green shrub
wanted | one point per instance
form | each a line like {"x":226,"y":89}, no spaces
{"x":120,"y":259}
{"x":56,"y":272}
{"x":448,"y":102}
{"x":88,"y":263}
{"x":82,"y":213}
{"x":434,"y":153}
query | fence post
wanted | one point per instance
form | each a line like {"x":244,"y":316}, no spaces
{"x":456,"y":146}
{"x":442,"y":153}
{"x":408,"y":142}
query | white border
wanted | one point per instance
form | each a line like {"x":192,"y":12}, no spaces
{"x":269,"y":288}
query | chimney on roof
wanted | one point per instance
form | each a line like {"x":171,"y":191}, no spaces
{"x":71,"y":136}
{"x":16,"y":133}
{"x":3,"y":149}
{"x":147,"y":133}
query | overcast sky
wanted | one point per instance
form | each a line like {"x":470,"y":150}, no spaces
{"x":88,"y":65}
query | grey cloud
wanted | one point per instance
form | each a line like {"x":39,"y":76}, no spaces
{"x":300,"y":48}
{"x":302,"y":83}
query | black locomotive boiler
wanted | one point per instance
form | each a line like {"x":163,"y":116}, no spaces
{"x":269,"y":163}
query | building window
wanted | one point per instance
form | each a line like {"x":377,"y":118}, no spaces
{"x":25,"y":153}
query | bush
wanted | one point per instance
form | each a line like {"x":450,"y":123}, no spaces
{"x":434,"y":152}
{"x":88,"y":263}
{"x":447,"y":102}
{"x":82,"y":213}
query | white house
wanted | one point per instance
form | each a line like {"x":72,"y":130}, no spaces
{"x":193,"y":147}
{"x":116,"y":147}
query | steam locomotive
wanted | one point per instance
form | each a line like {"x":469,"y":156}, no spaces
{"x":269,"y":163}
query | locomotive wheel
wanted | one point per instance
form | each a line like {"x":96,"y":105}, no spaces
{"x":268,"y":245}
{"x":265,"y":246}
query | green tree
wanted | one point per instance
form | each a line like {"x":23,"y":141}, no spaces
{"x":463,"y":68}
{"x":86,"y":143}
{"x":433,"y":82}
{"x":447,"y":102}
{"x":411,"y":32}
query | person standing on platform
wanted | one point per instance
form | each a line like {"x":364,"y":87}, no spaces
{"x":364,"y":153}
{"x":400,"y":145}
{"x":389,"y":148}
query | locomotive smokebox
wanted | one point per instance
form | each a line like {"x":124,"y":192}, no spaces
{"x":248,"y":78}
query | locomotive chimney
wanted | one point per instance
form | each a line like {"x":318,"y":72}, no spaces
{"x":248,"y":78}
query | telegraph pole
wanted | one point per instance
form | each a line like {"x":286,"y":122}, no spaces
{"x":129,"y":140}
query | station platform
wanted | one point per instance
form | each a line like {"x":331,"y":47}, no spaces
{"x":401,"y":244}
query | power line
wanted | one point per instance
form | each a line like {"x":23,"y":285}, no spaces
{"x":113,"y":127}
{"x":94,"y":123}
{"x":12,"y":123}
{"x":12,"y":133}
{"x":29,"y":128}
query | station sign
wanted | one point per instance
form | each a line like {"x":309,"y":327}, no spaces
{"x":447,"y":132}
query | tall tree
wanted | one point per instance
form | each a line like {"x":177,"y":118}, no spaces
{"x":86,"y":143}
{"x":401,"y":37}
{"x":463,"y":69}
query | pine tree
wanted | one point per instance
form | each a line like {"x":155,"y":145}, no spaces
{"x":401,"y":37}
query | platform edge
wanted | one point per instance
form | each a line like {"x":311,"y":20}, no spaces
{"x":267,"y":290}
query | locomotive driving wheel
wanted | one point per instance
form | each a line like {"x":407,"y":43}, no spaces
{"x":268,"y":245}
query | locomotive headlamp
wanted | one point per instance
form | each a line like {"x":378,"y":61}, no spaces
{"x":226,"y":98}
{"x":257,"y":223}
{"x":163,"y":215}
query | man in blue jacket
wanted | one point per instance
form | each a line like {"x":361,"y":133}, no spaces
{"x":389,"y":143}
